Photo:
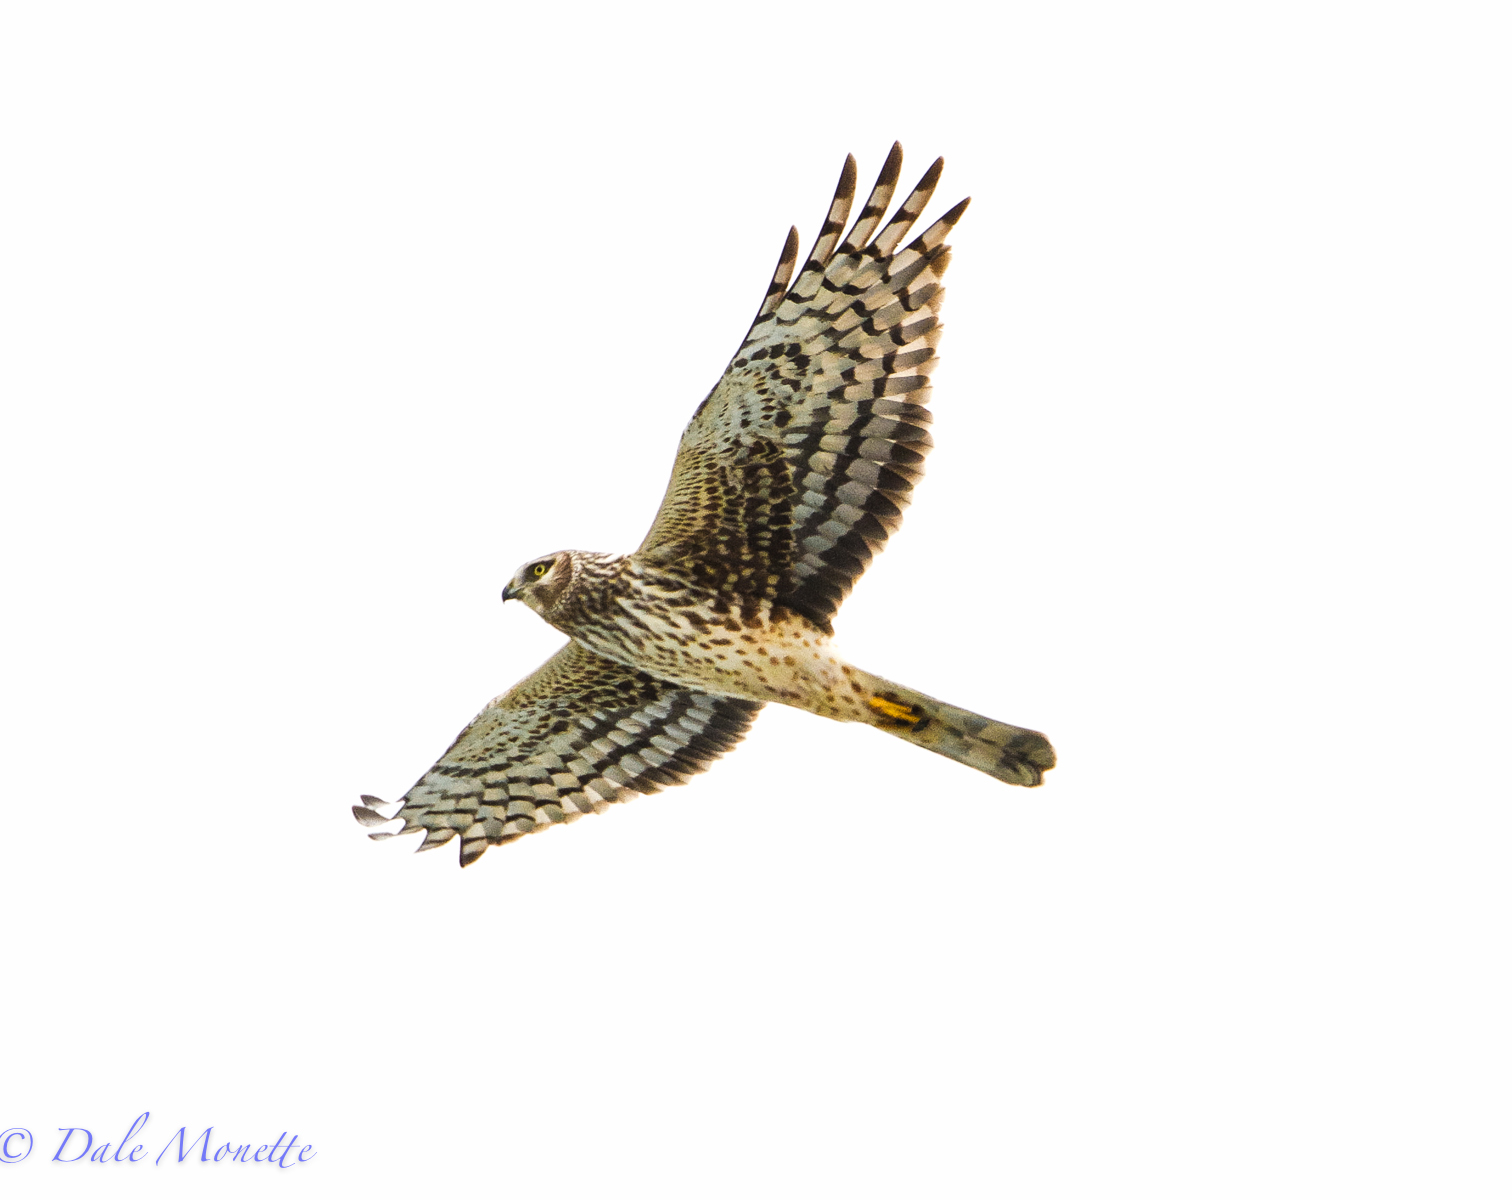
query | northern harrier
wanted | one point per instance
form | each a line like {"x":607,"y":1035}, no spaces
{"x":790,"y":476}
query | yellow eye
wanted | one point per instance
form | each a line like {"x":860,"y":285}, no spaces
{"x":539,"y":569}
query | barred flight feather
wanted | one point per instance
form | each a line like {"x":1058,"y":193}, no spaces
{"x":577,"y":735}
{"x":825,"y":399}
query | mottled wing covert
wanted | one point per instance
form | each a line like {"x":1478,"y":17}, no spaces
{"x":579,"y":734}
{"x":798,"y":466}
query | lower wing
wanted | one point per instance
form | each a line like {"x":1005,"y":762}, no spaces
{"x":580,"y":733}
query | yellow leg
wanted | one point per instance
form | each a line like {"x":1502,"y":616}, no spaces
{"x":898,"y":712}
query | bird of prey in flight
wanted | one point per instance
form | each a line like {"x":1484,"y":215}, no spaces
{"x":792,"y":474}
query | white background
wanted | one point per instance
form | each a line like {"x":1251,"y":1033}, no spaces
{"x":320,"y":318}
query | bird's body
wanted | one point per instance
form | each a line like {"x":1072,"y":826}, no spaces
{"x":751,"y":648}
{"x":658,"y":621}
{"x":791,"y":475}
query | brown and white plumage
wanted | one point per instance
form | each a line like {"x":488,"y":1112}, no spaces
{"x":789,"y":478}
{"x":577,"y":735}
{"x":819,"y":424}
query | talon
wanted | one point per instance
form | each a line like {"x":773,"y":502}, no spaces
{"x":898,"y":712}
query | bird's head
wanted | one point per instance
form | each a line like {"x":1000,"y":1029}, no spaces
{"x":542,"y":582}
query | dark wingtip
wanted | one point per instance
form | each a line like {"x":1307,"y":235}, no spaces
{"x":470,"y":854}
{"x":847,"y":186}
{"x":954,"y":214}
{"x":435,"y":837}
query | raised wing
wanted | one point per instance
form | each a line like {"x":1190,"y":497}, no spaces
{"x":579,"y":734}
{"x":798,"y":465}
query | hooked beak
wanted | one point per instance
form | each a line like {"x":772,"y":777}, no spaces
{"x":509,"y":593}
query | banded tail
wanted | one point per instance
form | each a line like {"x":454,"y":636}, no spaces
{"x":1006,"y":752}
